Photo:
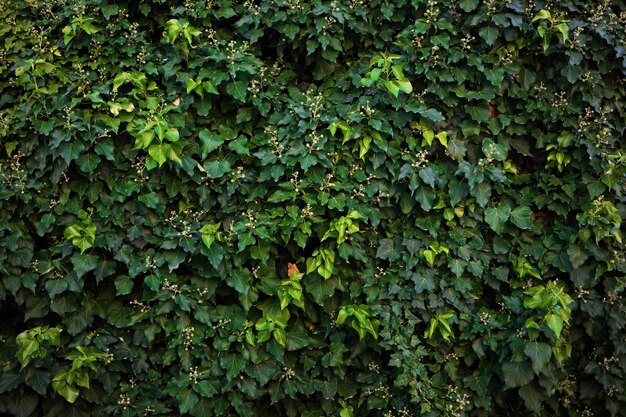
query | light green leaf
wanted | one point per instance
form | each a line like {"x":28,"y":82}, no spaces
{"x":542,"y":15}
{"x":393,"y":87}
{"x":159,"y":152}
{"x":554,"y":323}
{"x":405,"y":86}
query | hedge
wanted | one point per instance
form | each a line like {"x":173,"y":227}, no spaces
{"x":312,"y":208}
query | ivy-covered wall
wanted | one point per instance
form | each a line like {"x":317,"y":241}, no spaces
{"x":312,"y":208}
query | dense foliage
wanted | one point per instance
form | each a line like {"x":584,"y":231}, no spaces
{"x":312,"y":208}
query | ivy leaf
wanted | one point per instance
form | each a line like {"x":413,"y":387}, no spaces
{"x":489,"y":34}
{"x":517,"y":374}
{"x":522,"y":217}
{"x":494,"y":75}
{"x":159,"y":152}
{"x":298,"y":338}
{"x":482,"y":193}
{"x":123,"y":285}
{"x":496,"y":217}
{"x":424,"y":281}
{"x":210,"y":142}
{"x":233,"y":364}
{"x":239,"y":280}
{"x":405,"y":86}
{"x":187,"y":399}
{"x":38,"y":380}
{"x":216,"y":168}
{"x":237,"y":89}
{"x":495,"y":150}
{"x":84,"y":263}
{"x":539,"y":353}
{"x":204,"y":408}
{"x":458,"y":191}
{"x":70,"y":393}
{"x":263,"y":372}
{"x":392,"y":87}
{"x":577,"y":256}
{"x":328,"y":388}
{"x":386,"y":249}
{"x":88,"y":162}
{"x":554,"y":323}
{"x":9,"y":381}
{"x":425,"y":198}
{"x":468,"y":5}
{"x":45,"y":223}
{"x":260,"y":251}
{"x":433,"y":115}
{"x":478,"y":111}
{"x":239,"y":145}
{"x":23,"y":404}
{"x":532,"y":397}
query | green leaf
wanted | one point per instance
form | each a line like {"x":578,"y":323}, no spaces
{"x":110,"y":10}
{"x":151,"y":200}
{"x":240,"y":281}
{"x":68,"y":392}
{"x":393,"y":87}
{"x":563,"y":30}
{"x":88,"y":162}
{"x":240,"y":146}
{"x":172,"y":135}
{"x":298,"y":338}
{"x":458,"y":191}
{"x":432,"y":326}
{"x":425,"y":198}
{"x":210,"y":142}
{"x":216,"y":168}
{"x":83,"y":243}
{"x":328,"y":388}
{"x":21,"y":405}
{"x":522,"y":217}
{"x":539,"y":353}
{"x":482,"y":193}
{"x":38,"y":380}
{"x":496,"y":217}
{"x":187,"y":399}
{"x":424,"y":281}
{"x":204,"y":408}
{"x":554,"y":323}
{"x":494,"y":150}
{"x":260,"y":251}
{"x":468,"y":5}
{"x":478,"y":111}
{"x":45,"y":223}
{"x":489,"y":34}
{"x":84,"y":263}
{"x":9,"y":381}
{"x":233,"y":364}
{"x":386,"y":249}
{"x":237,"y":89}
{"x":123,"y":285}
{"x":405,"y":86}
{"x":577,"y":256}
{"x":159,"y":152}
{"x":542,"y":15}
{"x":517,"y":374}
